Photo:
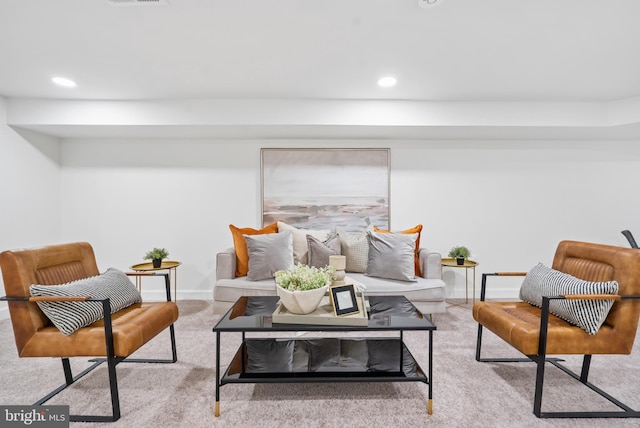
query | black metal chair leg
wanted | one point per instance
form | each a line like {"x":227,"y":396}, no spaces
{"x":537,"y":398}
{"x":586,"y":363}
{"x":66,"y":367}
{"x":479,"y":342}
{"x":174,"y":351}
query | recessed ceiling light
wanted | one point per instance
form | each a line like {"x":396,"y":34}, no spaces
{"x":62,"y":81}
{"x":387,"y":82}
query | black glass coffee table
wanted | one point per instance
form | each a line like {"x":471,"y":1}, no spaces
{"x":337,"y":358}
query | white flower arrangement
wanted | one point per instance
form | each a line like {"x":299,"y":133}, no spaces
{"x":302,"y":277}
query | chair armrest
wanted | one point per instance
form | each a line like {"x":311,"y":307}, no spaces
{"x":591,"y":296}
{"x":226,"y":264}
{"x":59,"y":298}
{"x":430,"y":264}
{"x":483,"y":286}
{"x":106,"y":312}
{"x":47,"y":299}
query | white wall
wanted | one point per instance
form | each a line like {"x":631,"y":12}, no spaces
{"x":510,"y":202}
{"x":29,"y":176}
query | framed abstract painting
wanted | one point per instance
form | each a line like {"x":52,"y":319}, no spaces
{"x":326,"y":188}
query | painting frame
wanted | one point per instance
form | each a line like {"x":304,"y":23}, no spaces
{"x":326,"y":188}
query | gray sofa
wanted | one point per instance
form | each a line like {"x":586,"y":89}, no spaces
{"x":427,"y":294}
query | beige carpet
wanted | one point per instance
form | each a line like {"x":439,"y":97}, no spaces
{"x":466,"y":393}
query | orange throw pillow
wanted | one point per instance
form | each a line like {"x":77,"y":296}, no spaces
{"x":416,"y":259}
{"x":240,"y":244}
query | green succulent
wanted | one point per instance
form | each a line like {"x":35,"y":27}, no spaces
{"x":157,"y":254}
{"x":459,"y":252}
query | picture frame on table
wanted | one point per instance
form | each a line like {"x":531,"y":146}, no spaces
{"x":344,"y":300}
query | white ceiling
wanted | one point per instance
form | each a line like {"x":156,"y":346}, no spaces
{"x":463,"y":51}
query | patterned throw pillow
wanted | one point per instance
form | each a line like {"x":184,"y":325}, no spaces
{"x":319,"y":251}
{"x":586,"y":314}
{"x":70,"y":316}
{"x":355,"y":247}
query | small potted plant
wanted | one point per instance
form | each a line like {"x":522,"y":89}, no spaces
{"x":156,"y":255}
{"x":459,"y":253}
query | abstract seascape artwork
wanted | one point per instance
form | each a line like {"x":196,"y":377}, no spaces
{"x":326,"y":188}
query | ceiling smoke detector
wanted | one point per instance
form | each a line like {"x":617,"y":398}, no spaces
{"x":137,"y":2}
{"x":426,"y":4}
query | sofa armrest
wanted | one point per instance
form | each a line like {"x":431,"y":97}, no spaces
{"x":430,"y":264}
{"x":226,"y":264}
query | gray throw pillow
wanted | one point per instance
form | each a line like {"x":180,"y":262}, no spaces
{"x":268,"y":254}
{"x":70,"y":316}
{"x":391,"y":255}
{"x":320,"y":251}
{"x":586,"y":314}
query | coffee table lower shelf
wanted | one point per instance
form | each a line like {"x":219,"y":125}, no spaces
{"x":237,"y":370}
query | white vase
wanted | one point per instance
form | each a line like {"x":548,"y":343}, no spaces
{"x":301,"y":302}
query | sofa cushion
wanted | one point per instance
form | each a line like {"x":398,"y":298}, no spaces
{"x":70,"y":316}
{"x":268,"y":254}
{"x":355,"y":247}
{"x":417,"y":229}
{"x":300,"y":246}
{"x":391,"y":256}
{"x":240,"y":244}
{"x":320,"y":251}
{"x":586,"y":314}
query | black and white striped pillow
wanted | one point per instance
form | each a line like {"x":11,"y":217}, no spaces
{"x":70,"y":316}
{"x":586,"y":314}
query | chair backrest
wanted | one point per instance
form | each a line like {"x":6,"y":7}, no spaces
{"x":55,"y":264}
{"x":597,"y":262}
{"x":627,"y":234}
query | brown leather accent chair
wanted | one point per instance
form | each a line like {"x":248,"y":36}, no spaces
{"x":111,"y":339}
{"x":537,"y":333}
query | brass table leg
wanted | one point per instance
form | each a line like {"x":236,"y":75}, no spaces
{"x":474,"y":284}
{"x":466,"y":285}
{"x":430,"y":406}
{"x":175,"y":284}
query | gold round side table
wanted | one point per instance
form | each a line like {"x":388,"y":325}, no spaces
{"x":468,"y":264}
{"x":166,"y":265}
